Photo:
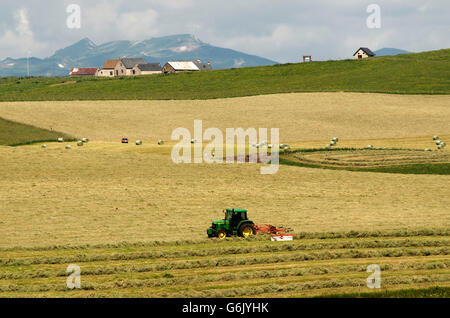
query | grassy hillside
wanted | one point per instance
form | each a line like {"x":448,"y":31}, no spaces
{"x":13,"y":134}
{"x":420,"y":73}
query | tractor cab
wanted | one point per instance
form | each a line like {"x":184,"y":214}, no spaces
{"x":235,"y":223}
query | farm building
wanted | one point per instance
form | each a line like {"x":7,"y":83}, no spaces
{"x":130,"y":63}
{"x":147,"y":69}
{"x":363,"y":53}
{"x":203,"y":66}
{"x":84,"y":71}
{"x":186,"y":66}
{"x":113,"y":68}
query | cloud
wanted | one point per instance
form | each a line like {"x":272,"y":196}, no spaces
{"x":279,"y":30}
{"x":138,"y":25}
{"x":20,"y":41}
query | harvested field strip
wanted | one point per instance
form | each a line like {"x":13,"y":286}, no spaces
{"x":185,"y":277}
{"x":234,"y":241}
{"x":266,"y":248}
{"x":396,"y":291}
{"x":223,"y":280}
{"x":118,"y":268}
{"x":371,"y":157}
{"x":230,"y":268}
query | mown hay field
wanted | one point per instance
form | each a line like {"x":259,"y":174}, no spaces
{"x":104,"y":206}
{"x":300,"y":117}
{"x":109,"y":192}
{"x":309,"y":266}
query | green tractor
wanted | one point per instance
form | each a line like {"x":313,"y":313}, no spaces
{"x":235,"y":223}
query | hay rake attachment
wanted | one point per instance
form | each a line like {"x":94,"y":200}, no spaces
{"x":271,"y":229}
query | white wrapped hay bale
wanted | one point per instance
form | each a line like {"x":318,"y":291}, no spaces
{"x":138,"y":142}
{"x":68,"y":147}
{"x":84,"y":140}
{"x":369,"y":147}
{"x":335,"y":139}
{"x":327,"y":146}
{"x":60,"y":139}
{"x":160,"y":142}
{"x":332,"y":143}
{"x":44,"y":146}
{"x":436,"y":138}
{"x":80,"y":143}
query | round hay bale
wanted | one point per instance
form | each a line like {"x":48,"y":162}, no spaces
{"x":84,"y":139}
{"x":60,"y":139}
{"x":193,"y":141}
{"x":160,"y":142}
{"x":80,"y":143}
{"x":332,"y":143}
{"x":369,"y":146}
{"x":68,"y":147}
{"x":335,"y":139}
{"x":138,"y":142}
{"x":328,"y":146}
{"x":438,"y":142}
{"x":44,"y":146}
{"x":270,"y":146}
{"x":435,"y":137}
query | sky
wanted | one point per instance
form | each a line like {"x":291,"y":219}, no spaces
{"x":281,"y":30}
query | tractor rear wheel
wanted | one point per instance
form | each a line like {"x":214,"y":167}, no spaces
{"x":221,"y":234}
{"x":246,"y":230}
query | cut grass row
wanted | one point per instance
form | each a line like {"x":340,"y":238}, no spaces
{"x":222,"y":251}
{"x":230,"y":268}
{"x":431,"y":292}
{"x":420,"y":73}
{"x":233,"y":241}
{"x":242,"y":288}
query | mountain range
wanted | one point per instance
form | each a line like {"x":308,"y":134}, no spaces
{"x":86,"y":53}
{"x":387,"y":51}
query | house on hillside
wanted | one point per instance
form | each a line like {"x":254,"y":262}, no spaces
{"x":147,"y":69}
{"x":186,"y":66}
{"x":113,"y":68}
{"x":203,"y":66}
{"x":363,"y":53}
{"x":130,"y":63}
{"x":84,"y":71}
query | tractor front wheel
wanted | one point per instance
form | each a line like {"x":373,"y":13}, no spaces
{"x":246,"y":230}
{"x":221,"y":234}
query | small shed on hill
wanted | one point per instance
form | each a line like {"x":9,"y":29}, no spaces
{"x":363,"y":53}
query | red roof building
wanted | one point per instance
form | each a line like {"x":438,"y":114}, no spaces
{"x":79,"y":71}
